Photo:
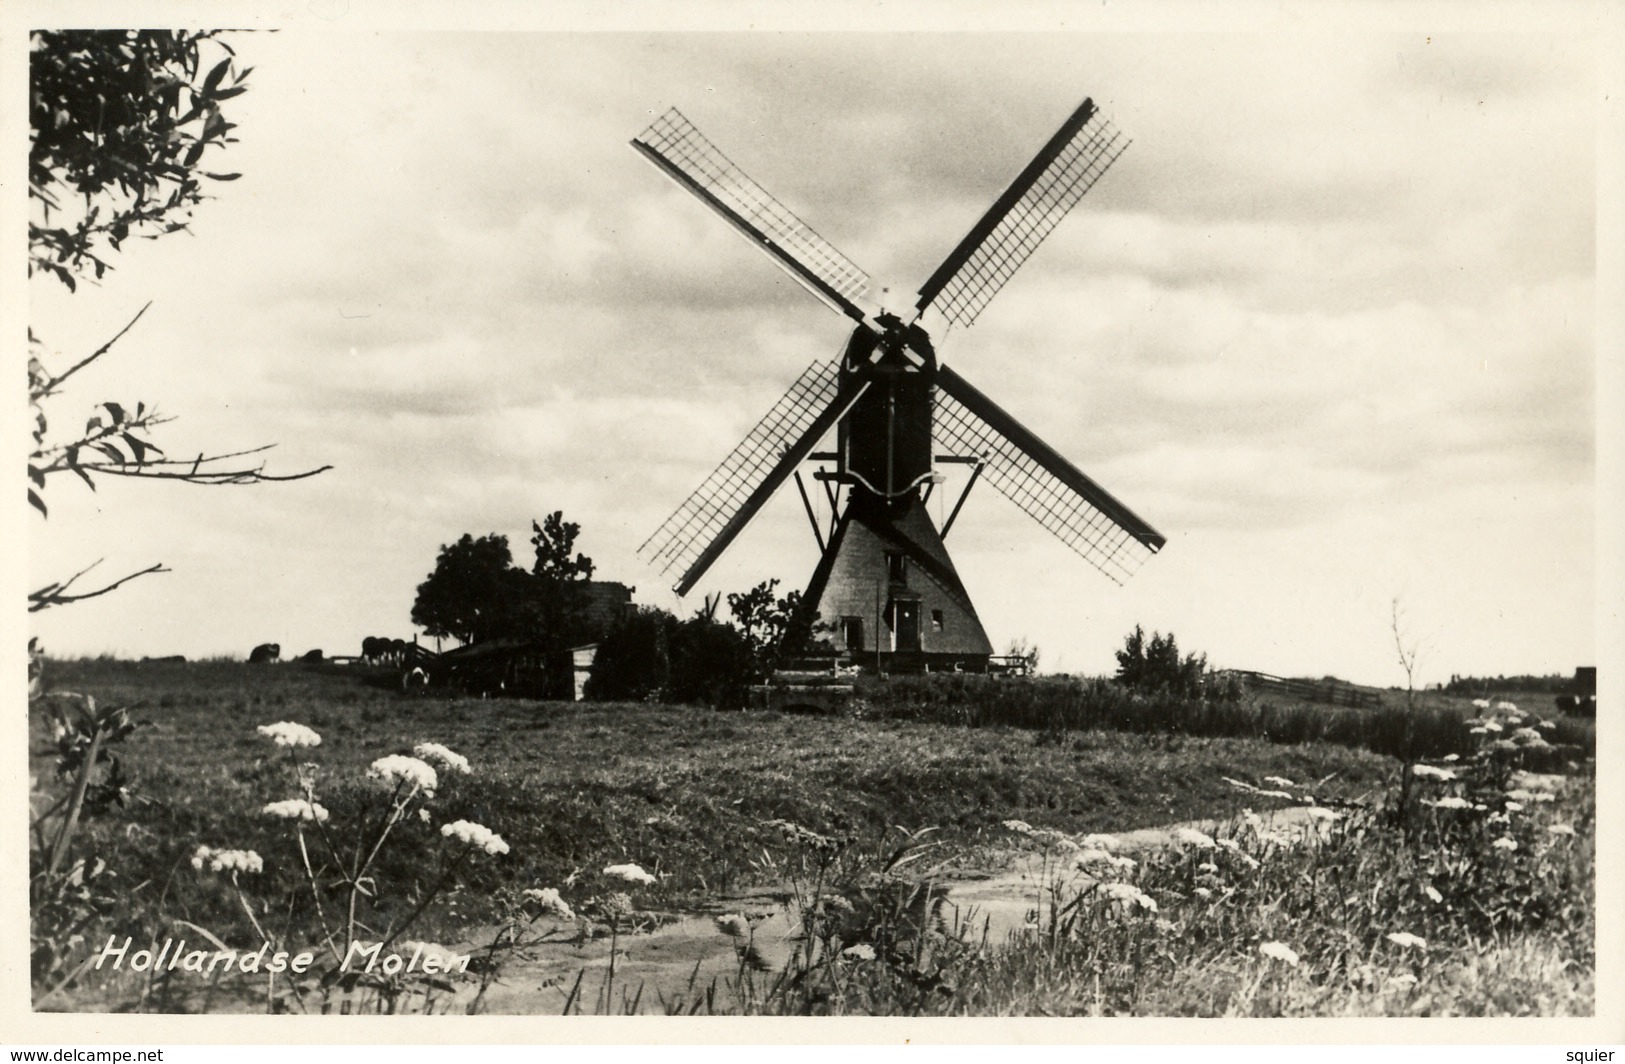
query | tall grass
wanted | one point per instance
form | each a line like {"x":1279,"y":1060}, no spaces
{"x":1061,"y":704}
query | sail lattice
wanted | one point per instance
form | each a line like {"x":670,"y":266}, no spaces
{"x":682,"y":148}
{"x":1029,"y":215}
{"x":684,"y":536}
{"x":1025,"y":480}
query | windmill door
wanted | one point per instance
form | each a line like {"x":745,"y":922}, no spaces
{"x":908,"y":624}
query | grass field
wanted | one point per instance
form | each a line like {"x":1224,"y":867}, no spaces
{"x":685,"y":793}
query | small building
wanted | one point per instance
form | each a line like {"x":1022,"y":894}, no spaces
{"x":604,"y":604}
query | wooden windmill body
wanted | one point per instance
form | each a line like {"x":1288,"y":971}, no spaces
{"x":885,"y":582}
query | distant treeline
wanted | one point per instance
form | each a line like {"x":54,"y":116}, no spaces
{"x":1554,"y":684}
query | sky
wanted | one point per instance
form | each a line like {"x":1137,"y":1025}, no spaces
{"x":1329,"y":324}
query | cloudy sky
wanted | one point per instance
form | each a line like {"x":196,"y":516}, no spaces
{"x":1329,"y":325}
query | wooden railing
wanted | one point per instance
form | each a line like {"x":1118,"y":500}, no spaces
{"x":1329,"y":691}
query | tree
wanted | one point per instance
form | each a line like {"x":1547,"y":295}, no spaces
{"x":120,"y":121}
{"x":775,"y":629}
{"x":1155,"y":666}
{"x":474,"y":593}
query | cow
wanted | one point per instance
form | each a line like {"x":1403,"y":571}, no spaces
{"x":264,"y":653}
{"x":313,"y":657}
{"x":373,"y":648}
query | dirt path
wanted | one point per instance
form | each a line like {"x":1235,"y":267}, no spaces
{"x":691,"y":953}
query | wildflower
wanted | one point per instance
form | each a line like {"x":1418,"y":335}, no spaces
{"x":1275,"y":794}
{"x":629,"y":872}
{"x":1506,"y":707}
{"x":1481,"y":703}
{"x":1316,"y":813}
{"x":1433,"y":894}
{"x":1451,"y":757}
{"x":1491,"y":726}
{"x":1475,"y":731}
{"x":1449,"y":802}
{"x":1499,"y":818}
{"x":1123,"y":864}
{"x":1528,"y":735}
{"x":476,"y":835}
{"x":1192,"y":837}
{"x":423,"y":815}
{"x":1561,"y":829}
{"x":1402,"y":981}
{"x":1203,"y":892}
{"x":399,"y":769}
{"x":1020,"y":827}
{"x":442,"y":756}
{"x":1279,"y":951}
{"x":1548,"y":725}
{"x":1503,"y":744}
{"x":1129,"y":895}
{"x":734,"y":926}
{"x":1089,"y":857}
{"x":1279,"y":781}
{"x":1405,"y":938}
{"x":1429,"y":772}
{"x":549,"y":900}
{"x":1505,"y":842}
{"x":297,"y":809}
{"x":287,"y":733}
{"x":227,"y":860}
{"x":1100,"y":842}
{"x":1207,"y":866}
{"x":861,"y":952}
{"x":1514,"y":807}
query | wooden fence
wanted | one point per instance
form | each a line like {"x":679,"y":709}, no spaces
{"x":1329,"y":691}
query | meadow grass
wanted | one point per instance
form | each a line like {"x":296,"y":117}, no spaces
{"x":693,"y":795}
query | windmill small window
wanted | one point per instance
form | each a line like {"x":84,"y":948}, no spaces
{"x":897,"y":567}
{"x":852,"y":632}
{"x":936,"y":620}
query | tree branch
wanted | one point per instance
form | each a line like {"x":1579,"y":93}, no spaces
{"x":57,"y":594}
{"x":49,"y":387}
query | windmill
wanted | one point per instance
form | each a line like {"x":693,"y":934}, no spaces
{"x":884,"y":579}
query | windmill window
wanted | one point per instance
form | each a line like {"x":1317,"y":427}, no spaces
{"x":852,"y":632}
{"x":936,"y":620}
{"x":896,"y":567}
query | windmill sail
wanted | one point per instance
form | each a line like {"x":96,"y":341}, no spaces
{"x":687,"y":157}
{"x":1019,"y":220}
{"x":1054,"y":492}
{"x":697,"y":533}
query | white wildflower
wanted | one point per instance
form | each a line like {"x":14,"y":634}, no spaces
{"x":1207,"y":866}
{"x":734,"y":925}
{"x":1433,"y":893}
{"x":1505,"y":842}
{"x":297,"y":809}
{"x":423,"y":815}
{"x":1123,"y":864}
{"x":1498,"y":818}
{"x":1203,"y":893}
{"x":1089,"y":857}
{"x":1451,"y":757}
{"x":861,"y":952}
{"x":1449,"y":802}
{"x":1279,"y":951}
{"x":227,"y":860}
{"x":287,"y":733}
{"x":1276,"y":794}
{"x":1491,"y":726}
{"x":629,"y":872}
{"x":549,"y":900}
{"x":1561,"y":829}
{"x":1021,"y":827}
{"x":1129,"y":895}
{"x":1431,"y":773}
{"x":1476,"y":731}
{"x":1279,"y":781}
{"x":1402,"y":981}
{"x":444,"y":757}
{"x":1548,"y":725}
{"x":1506,"y":707}
{"x":1314,"y":812}
{"x":1192,"y":837}
{"x":398,"y":769}
{"x":1514,"y":807}
{"x":1481,"y":703}
{"x":1405,"y":938}
{"x":475,"y":835}
{"x":1100,"y":842}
